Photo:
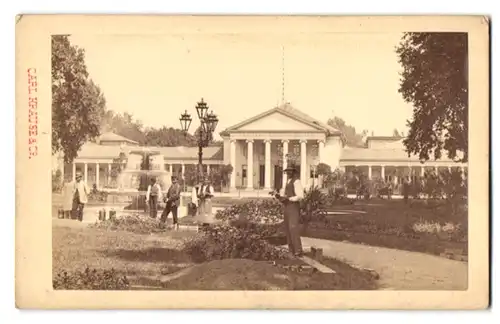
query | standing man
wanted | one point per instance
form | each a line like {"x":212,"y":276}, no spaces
{"x":172,"y":200}
{"x":80,"y":197}
{"x":205,"y":194}
{"x":153,"y":195}
{"x":194,"y":205}
{"x":291,"y":196}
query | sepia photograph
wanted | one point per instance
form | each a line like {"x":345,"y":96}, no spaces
{"x":311,"y":159}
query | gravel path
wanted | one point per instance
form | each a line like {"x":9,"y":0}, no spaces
{"x":398,"y":270}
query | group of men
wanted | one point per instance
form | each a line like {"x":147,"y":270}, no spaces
{"x":201,"y":198}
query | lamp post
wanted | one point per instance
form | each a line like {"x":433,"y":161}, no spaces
{"x":208,"y":123}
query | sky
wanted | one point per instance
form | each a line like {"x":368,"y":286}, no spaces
{"x":354,"y":76}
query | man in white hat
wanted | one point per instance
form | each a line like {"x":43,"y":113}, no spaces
{"x":80,"y":196}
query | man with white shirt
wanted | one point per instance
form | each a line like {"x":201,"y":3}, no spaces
{"x":80,"y":197}
{"x":290,"y":196}
{"x":205,"y":194}
{"x":153,"y":195}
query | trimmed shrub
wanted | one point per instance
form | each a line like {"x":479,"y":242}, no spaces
{"x":264,"y":211}
{"x":90,"y":280}
{"x":97,"y":196}
{"x":132,"y":223}
{"x":270,"y":211}
{"x":313,"y":206}
{"x":224,"y":241}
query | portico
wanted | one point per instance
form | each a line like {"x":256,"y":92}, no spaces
{"x":257,"y":148}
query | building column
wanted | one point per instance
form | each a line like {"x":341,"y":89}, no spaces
{"x":422,"y":171}
{"x":208,"y":169}
{"x":267,"y":167}
{"x":85,"y":170}
{"x":171,"y":168}
{"x":382,"y":172}
{"x":74,"y":171}
{"x":303,"y":162}
{"x":285,"y":162}
{"x":109,"y":174}
{"x":183,"y":170}
{"x":97,"y":175}
{"x":321,"y":149}
{"x":250,"y":164}
{"x":232,"y":159}
{"x":369,"y":172}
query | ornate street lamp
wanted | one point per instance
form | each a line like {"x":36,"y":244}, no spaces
{"x":208,"y":124}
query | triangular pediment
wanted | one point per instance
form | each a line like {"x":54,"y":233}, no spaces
{"x":275,"y":120}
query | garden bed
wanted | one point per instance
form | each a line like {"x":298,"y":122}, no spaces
{"x":147,"y":260}
{"x":391,"y":223}
{"x":429,"y":226}
{"x":425,"y":243}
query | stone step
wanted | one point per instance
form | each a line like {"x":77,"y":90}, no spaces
{"x":319,"y":266}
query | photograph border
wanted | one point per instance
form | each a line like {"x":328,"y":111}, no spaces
{"x":33,"y":158}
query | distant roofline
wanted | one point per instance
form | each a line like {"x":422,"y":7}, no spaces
{"x":394,"y":138}
{"x":118,"y":138}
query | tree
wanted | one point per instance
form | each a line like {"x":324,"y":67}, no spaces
{"x":77,"y":102}
{"x":196,"y":137}
{"x":352,"y":138}
{"x":167,"y":137}
{"x":323,"y":169}
{"x":434,"y":80}
{"x":124,"y":125}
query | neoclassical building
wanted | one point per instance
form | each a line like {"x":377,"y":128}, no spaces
{"x":256,"y":148}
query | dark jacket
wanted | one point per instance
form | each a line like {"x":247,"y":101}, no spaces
{"x":174,"y":194}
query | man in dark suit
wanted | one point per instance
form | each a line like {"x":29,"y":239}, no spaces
{"x":290,"y":196}
{"x":172,"y":200}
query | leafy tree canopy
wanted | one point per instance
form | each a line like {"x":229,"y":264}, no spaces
{"x":77,"y":102}
{"x":434,"y":80}
{"x":126,"y":125}
{"x":352,"y":137}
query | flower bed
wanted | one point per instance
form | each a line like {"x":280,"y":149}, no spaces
{"x":422,"y":227}
{"x":136,"y":224}
{"x":90,"y":279}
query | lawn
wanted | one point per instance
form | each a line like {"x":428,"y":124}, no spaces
{"x":158,"y":262}
{"x":390,"y":223}
{"x":131,"y":254}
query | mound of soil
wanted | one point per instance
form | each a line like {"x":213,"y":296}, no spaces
{"x":240,"y":274}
